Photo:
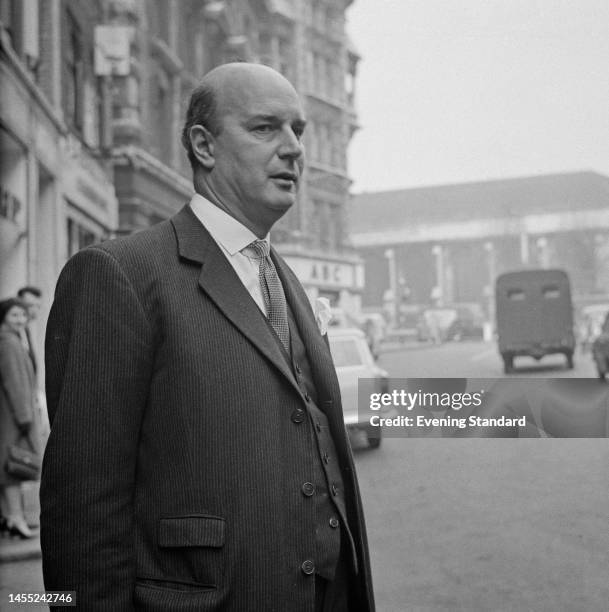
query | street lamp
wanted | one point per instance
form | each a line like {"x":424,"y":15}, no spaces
{"x":393,"y":284}
{"x":438,"y":291}
{"x":542,"y":246}
{"x":489,"y":247}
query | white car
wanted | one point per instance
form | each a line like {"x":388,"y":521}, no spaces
{"x":353,"y":361}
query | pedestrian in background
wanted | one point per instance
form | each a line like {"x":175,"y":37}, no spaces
{"x":31,"y":297}
{"x":18,"y":414}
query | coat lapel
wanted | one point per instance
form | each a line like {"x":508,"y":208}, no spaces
{"x":220,"y":282}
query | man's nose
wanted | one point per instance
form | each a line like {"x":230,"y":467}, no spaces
{"x":291,"y":145}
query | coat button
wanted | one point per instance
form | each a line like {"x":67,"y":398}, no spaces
{"x":326,"y":458}
{"x":334,"y":490}
{"x":307,"y":567}
{"x":308,"y":488}
{"x":334,"y":522}
{"x":298,"y":415}
{"x":307,"y":397}
{"x":318,"y":426}
{"x":297,"y":368}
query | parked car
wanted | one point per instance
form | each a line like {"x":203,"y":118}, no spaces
{"x":353,"y":361}
{"x":600,"y":350}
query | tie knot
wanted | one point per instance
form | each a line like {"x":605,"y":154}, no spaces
{"x":259,"y":249}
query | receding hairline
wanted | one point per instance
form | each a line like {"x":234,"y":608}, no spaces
{"x":222,"y":79}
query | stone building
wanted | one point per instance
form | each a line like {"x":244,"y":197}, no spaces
{"x":448,"y":243}
{"x":56,"y":188}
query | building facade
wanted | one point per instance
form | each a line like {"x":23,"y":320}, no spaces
{"x":92,"y":100}
{"x":56,"y":189}
{"x":447,"y":244}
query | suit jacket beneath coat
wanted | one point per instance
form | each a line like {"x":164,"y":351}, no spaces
{"x":169,"y":480}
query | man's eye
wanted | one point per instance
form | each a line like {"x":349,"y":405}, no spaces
{"x":265,"y":128}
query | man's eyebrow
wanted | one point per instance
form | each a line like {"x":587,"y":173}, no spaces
{"x":274,"y":118}
{"x":261,"y":117}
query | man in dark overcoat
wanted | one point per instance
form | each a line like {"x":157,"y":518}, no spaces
{"x":198,"y":458}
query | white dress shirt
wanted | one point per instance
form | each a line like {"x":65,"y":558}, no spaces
{"x":231,"y":236}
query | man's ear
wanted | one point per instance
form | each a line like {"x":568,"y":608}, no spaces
{"x":202,"y":143}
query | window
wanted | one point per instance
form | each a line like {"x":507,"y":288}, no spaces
{"x":516,"y":295}
{"x":20,"y":20}
{"x":79,"y":236}
{"x":73,"y":87}
{"x":551,"y":292}
{"x":285,"y":58}
{"x":81,"y":94}
{"x":8,"y":17}
{"x":161,"y":96}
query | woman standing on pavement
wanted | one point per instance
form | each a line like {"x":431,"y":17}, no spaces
{"x":18,"y":423}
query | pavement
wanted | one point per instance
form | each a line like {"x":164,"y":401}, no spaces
{"x":15,"y":549}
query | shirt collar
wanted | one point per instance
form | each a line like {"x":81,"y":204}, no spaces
{"x":224,"y":229}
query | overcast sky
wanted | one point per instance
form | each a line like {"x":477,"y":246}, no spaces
{"x":465,"y":90}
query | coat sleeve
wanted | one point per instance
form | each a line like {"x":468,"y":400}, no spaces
{"x":99,"y":356}
{"x":15,"y":381}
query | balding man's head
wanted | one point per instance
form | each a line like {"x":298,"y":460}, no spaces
{"x":245,"y":143}
{"x":217,"y":91}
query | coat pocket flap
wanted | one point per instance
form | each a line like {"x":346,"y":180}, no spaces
{"x":193,"y":530}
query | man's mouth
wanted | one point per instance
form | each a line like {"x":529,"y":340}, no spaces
{"x":289,"y":177}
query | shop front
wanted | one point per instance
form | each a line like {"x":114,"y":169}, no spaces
{"x":340,"y":280}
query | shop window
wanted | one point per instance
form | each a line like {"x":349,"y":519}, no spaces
{"x":13,"y":179}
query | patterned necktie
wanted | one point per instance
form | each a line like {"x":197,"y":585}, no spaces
{"x":272,"y":291}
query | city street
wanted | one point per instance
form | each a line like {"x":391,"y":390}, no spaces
{"x":486,"y":524}
{"x":475,"y":360}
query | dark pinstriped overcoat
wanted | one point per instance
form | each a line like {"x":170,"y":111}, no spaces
{"x":170,"y":479}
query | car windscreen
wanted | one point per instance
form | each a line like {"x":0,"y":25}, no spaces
{"x":345,"y":352}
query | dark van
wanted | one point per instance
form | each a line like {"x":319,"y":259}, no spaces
{"x":534,"y":315}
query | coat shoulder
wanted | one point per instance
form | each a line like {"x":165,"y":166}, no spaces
{"x":150,"y":243}
{"x":138,"y":255}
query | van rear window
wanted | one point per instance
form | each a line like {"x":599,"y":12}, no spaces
{"x":515,"y":294}
{"x":551,"y":292}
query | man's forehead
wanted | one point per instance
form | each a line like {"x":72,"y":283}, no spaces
{"x":259,"y":94}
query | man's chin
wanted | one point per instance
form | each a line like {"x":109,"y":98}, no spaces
{"x":284,"y":203}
